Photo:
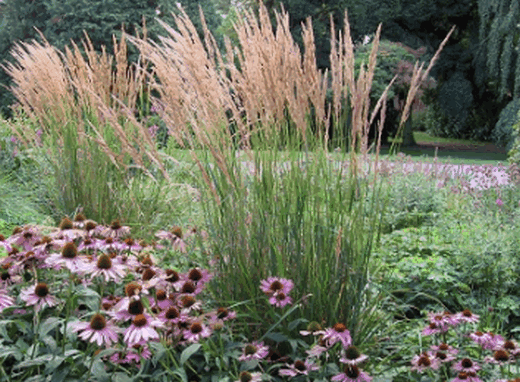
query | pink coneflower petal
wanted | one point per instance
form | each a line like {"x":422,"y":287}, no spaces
{"x":246,"y":376}
{"x":254,"y":350}
{"x":196,"y":331}
{"x":298,"y":368}
{"x":280,"y":299}
{"x":425,"y":361}
{"x":466,"y":365}
{"x":352,"y":373}
{"x":38,"y":296}
{"x":275,"y":284}
{"x":5,"y":300}
{"x":98,"y":330}
{"x":467,"y":316}
{"x":338,"y":333}
{"x":222,"y":314}
{"x":104,"y":267}
{"x":353,"y":356}
{"x":466,"y":377}
{"x":142,"y":329}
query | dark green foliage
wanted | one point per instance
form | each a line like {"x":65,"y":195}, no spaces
{"x":64,"y":20}
{"x":499,"y":34}
{"x":455,"y":99}
{"x":503,"y":132}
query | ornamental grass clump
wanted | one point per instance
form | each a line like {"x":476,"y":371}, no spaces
{"x":74,"y":112}
{"x":257,"y":123}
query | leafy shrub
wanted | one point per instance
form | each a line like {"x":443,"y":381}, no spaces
{"x":503,"y":131}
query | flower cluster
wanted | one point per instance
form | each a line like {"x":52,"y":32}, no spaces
{"x":277,"y":289}
{"x":457,"y":357}
{"x":138,"y":302}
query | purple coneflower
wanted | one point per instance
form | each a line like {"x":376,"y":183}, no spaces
{"x":174,"y":236}
{"x":424,"y":362}
{"x":39,"y":296}
{"x":254,"y":350}
{"x":172,"y":315}
{"x":280,"y":299}
{"x":68,"y":257}
{"x":298,"y":368}
{"x":142,"y":329}
{"x":246,"y":376}
{"x":466,"y":377}
{"x":129,"y":245}
{"x":97,"y":330}
{"x":128,"y":309}
{"x":198,"y":276}
{"x":161,"y":300}
{"x":467,"y":316}
{"x":196,"y":331}
{"x":222,"y":314}
{"x":338,"y":332}
{"x":431,"y":329}
{"x":444,"y":352}
{"x":188,"y":303}
{"x":352,"y":373}
{"x":104,"y":266}
{"x":443,"y":321}
{"x":499,"y":357}
{"x":510,"y":346}
{"x":317,"y":350}
{"x":116,"y":230}
{"x":25,"y":237}
{"x":134,"y":354}
{"x":466,"y":365}
{"x":353,"y":356}
{"x":313,"y":328}
{"x":275,"y":284}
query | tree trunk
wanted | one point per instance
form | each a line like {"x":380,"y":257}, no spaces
{"x":408,"y":139}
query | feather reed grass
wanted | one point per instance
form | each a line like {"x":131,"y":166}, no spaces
{"x":83,"y":105}
{"x":256,"y":120}
{"x":257,"y":124}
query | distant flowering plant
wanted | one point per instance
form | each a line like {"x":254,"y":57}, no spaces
{"x":453,"y":350}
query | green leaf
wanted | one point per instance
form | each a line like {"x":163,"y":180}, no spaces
{"x":276,"y":337}
{"x":181,"y":373}
{"x":98,"y":371}
{"x":48,"y":325}
{"x":188,"y":352}
{"x":121,"y":377}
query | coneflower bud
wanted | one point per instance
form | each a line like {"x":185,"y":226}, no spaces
{"x":79,"y":217}
{"x":104,"y":262}
{"x":115,"y":225}
{"x":41,"y":290}
{"x":65,"y":224}
{"x":132,"y":289}
{"x":98,"y":322}
{"x":69,"y":250}
{"x":177,"y":231}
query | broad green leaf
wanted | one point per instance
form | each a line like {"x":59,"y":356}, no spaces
{"x":188,"y":352}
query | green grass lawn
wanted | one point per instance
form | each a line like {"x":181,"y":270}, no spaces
{"x":426,"y":151}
